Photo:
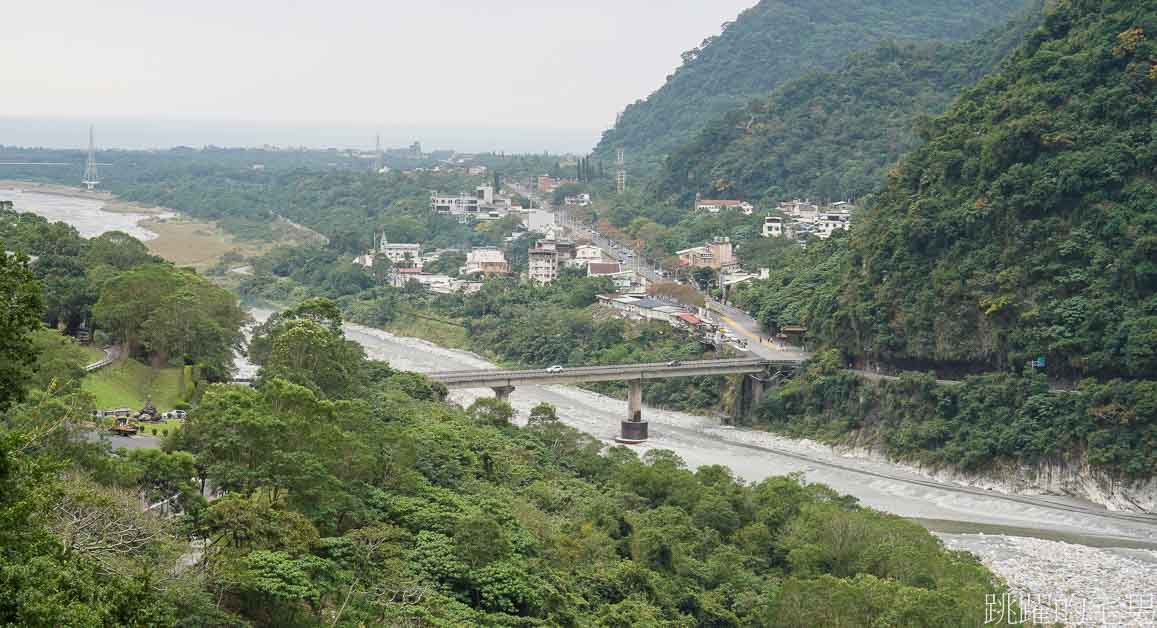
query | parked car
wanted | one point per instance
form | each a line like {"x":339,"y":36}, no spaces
{"x":554,"y":369}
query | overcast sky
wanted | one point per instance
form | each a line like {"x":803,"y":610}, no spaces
{"x":529,"y":64}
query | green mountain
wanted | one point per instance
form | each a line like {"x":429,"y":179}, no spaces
{"x":1026,"y":224}
{"x":776,"y":41}
{"x":834,"y":134}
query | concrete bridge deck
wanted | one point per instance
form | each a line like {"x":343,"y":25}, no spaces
{"x":634,"y":429}
{"x":495,"y":378}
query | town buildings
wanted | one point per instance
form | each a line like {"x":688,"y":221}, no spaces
{"x":643,"y":308}
{"x":401,"y":254}
{"x":717,"y":254}
{"x":547,"y":256}
{"x":714,"y":206}
{"x":799,"y":219}
{"x":589,"y":254}
{"x":547,"y":184}
{"x":542,"y":265}
{"x":773,"y":227}
{"x":460,"y":204}
{"x":484,"y":203}
{"x":580,"y":200}
{"x":486,"y":261}
{"x":440,"y":284}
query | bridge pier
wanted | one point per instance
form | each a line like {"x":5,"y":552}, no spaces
{"x":634,"y":430}
{"x":503,"y":392}
{"x":750,"y":394}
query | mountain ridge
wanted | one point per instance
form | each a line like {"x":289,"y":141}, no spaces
{"x":774,"y":41}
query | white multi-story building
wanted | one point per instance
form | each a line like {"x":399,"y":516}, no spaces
{"x":585,"y":254}
{"x":460,"y":204}
{"x":542,"y":264}
{"x":401,"y":254}
{"x":484,"y":202}
{"x":714,"y":206}
{"x":832,"y":221}
{"x":579,"y":200}
{"x":773,"y":227}
{"x":486,"y":261}
{"x":800,"y":211}
{"x":806,"y":218}
{"x":485,"y":194}
{"x":629,"y":282}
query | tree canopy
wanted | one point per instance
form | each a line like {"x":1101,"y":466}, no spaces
{"x":773,"y":42}
{"x":833,"y":134}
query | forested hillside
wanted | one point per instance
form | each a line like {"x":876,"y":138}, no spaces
{"x":343,"y":492}
{"x":834,"y":134}
{"x":1026,"y":225}
{"x":773,"y":42}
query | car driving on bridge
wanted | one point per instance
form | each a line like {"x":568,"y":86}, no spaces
{"x":554,"y":369}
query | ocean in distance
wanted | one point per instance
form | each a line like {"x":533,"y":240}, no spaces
{"x":158,"y":133}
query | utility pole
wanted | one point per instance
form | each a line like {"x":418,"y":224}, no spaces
{"x":91,"y":178}
{"x":378,"y":153}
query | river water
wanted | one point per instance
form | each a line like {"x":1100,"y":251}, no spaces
{"x":87,"y":215}
{"x":1052,"y":551}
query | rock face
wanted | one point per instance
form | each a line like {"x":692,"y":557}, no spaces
{"x":1072,"y":476}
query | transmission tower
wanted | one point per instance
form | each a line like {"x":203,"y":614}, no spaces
{"x":91,"y":179}
{"x":378,"y":153}
{"x":621,"y":175}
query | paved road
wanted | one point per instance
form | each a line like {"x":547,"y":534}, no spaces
{"x":126,"y":442}
{"x":747,"y":328}
{"x":110,"y":356}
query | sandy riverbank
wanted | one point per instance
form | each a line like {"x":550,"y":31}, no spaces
{"x":180,"y":239}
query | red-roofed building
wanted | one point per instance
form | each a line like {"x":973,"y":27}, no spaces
{"x":601,"y":269}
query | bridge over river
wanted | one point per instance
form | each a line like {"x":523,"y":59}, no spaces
{"x":760,"y":372}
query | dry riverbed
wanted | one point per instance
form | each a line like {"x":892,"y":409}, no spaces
{"x":176,"y":238}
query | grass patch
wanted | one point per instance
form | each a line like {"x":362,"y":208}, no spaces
{"x":196,"y":244}
{"x":128,"y":383}
{"x":201,"y":244}
{"x":441,"y":334}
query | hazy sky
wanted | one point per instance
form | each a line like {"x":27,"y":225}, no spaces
{"x":465,"y":63}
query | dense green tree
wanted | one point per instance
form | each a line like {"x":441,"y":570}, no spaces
{"x":170,"y":314}
{"x":543,"y":413}
{"x":19,"y":317}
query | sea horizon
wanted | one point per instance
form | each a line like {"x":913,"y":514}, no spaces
{"x":164,"y":133}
